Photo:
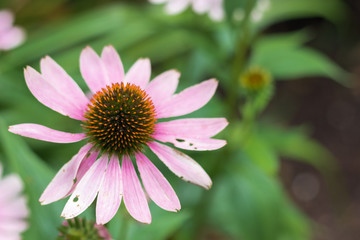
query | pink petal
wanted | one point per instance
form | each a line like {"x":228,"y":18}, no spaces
{"x":85,"y":165}
{"x":182,"y":165}
{"x":43,"y":133}
{"x":61,"y":184}
{"x":156,"y":185}
{"x":10,"y":236}
{"x":134,"y":197}
{"x":57,"y":77}
{"x":12,"y":186}
{"x":50,"y":96}
{"x":6,"y":20}
{"x":14,"y":209}
{"x":87,"y":189}
{"x":93,"y":70}
{"x":139,"y":74}
{"x":192,"y":127}
{"x":13,"y":225}
{"x":112,"y":64}
{"x":194,"y":144}
{"x":11,"y":38}
{"x":189,"y":100}
{"x":110,"y":193}
{"x":163,"y":86}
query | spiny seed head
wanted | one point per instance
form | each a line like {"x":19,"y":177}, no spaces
{"x":120,"y":119}
{"x":82,"y":229}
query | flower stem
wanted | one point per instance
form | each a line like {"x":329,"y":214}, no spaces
{"x":239,"y":62}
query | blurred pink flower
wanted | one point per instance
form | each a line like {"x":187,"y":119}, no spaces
{"x":13,"y":209}
{"x":213,"y":7}
{"x":118,"y":122}
{"x":10,"y":36}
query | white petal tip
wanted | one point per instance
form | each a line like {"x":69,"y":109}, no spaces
{"x":67,"y":215}
{"x":43,"y":201}
{"x":177,"y":209}
{"x":146,"y":221}
{"x":10,"y":129}
{"x":214,"y":80}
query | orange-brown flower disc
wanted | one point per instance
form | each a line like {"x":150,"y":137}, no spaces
{"x":120,"y":119}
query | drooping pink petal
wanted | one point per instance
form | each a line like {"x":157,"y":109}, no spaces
{"x":163,"y":86}
{"x":57,"y":77}
{"x":194,"y":144}
{"x":93,"y":70}
{"x":11,"y":38}
{"x":112,"y":64}
{"x":50,"y":96}
{"x":189,"y":100}
{"x":134,"y":196}
{"x":110,"y":193}
{"x":192,"y":127}
{"x":87,"y":189}
{"x":139,"y":73}
{"x":43,"y":133}
{"x":85,"y":165}
{"x":156,"y":185}
{"x":182,"y":165}
{"x":61,"y":184}
{"x":6,"y":20}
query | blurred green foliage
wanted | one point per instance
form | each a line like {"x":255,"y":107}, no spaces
{"x":247,"y":201}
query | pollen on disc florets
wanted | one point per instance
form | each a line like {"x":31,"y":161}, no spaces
{"x":120,"y":119}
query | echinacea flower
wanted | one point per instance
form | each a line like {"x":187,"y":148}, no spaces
{"x":13,"y":209}
{"x":119,"y":121}
{"x":10,"y":36}
{"x":213,"y":7}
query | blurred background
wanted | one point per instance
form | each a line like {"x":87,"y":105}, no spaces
{"x":291,"y":173}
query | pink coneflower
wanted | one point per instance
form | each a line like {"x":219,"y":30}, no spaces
{"x":119,"y":121}
{"x":13,"y":209}
{"x":213,"y":7}
{"x":10,"y":36}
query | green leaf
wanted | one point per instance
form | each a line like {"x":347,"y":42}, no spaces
{"x":285,"y":58}
{"x":69,"y":33}
{"x":248,"y":204}
{"x":261,"y":154}
{"x":44,"y":220}
{"x":296,"y":143}
{"x":163,"y":225}
{"x":279,"y":10}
